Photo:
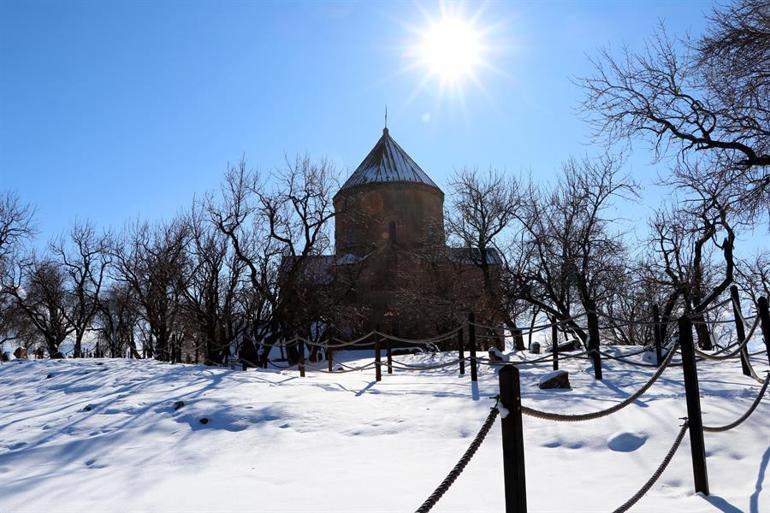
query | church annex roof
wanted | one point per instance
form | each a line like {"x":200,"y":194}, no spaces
{"x":387,"y":162}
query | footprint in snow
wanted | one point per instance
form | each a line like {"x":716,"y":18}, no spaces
{"x":626,"y":441}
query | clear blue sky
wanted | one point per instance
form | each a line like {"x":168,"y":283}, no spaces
{"x":112,"y":110}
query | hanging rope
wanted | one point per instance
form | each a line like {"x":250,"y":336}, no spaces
{"x":739,"y":420}
{"x":658,"y":472}
{"x":437,"y":338}
{"x":544,"y":359}
{"x":532,"y":329}
{"x":733,"y":353}
{"x":579,"y":417}
{"x":464,"y":460}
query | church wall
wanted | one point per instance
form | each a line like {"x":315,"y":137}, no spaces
{"x":369,"y":216}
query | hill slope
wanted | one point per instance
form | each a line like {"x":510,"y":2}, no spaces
{"x":112,"y":436}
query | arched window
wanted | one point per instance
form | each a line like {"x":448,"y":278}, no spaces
{"x":392,"y":231}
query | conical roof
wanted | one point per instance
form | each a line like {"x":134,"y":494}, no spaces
{"x":387,"y":162}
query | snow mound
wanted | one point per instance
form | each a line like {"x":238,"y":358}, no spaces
{"x":650,"y":357}
{"x":626,"y":441}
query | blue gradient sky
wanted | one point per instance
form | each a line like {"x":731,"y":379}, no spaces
{"x":112,"y":110}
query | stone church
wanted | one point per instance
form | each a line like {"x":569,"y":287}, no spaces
{"x":392,"y":268}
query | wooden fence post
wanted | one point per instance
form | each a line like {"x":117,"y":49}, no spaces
{"x":740,"y":330}
{"x":513,"y":441}
{"x":657,"y":332}
{"x":555,"y":339}
{"x":472,"y":343}
{"x":764,"y":317}
{"x":301,"y":351}
{"x":377,"y":357}
{"x":389,"y":353}
{"x":697,"y":446}
{"x":461,"y":351}
{"x":593,"y":339}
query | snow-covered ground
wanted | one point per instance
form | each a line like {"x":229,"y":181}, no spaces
{"x":111,"y":436}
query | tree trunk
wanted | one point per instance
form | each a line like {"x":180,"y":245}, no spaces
{"x":702,"y":331}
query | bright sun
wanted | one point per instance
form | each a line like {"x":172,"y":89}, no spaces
{"x":451,"y":49}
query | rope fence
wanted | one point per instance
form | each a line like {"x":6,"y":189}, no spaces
{"x":580,"y":417}
{"x":462,"y":463}
{"x":508,"y":405}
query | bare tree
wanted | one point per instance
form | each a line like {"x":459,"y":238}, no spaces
{"x":708,"y":96}
{"x":685,"y":240}
{"x":570,"y":255}
{"x":753,"y":276}
{"x":38,"y":288}
{"x":117,"y":319}
{"x":483,"y":208}
{"x":84,"y":260}
{"x":275,"y":233}
{"x":15,"y":224}
{"x":213,"y":297}
{"x":150,"y":261}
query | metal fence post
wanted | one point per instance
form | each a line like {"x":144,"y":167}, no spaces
{"x":472,"y":343}
{"x":657,"y":332}
{"x":555,"y":339}
{"x":593,"y":339}
{"x":764,"y":316}
{"x":697,"y":446}
{"x":461,"y":351}
{"x":513,"y":441}
{"x":740,"y":330}
{"x":377,"y":357}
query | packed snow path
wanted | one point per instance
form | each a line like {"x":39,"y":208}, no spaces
{"x":113,"y":436}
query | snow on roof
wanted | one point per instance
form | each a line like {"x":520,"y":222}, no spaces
{"x":387,"y":162}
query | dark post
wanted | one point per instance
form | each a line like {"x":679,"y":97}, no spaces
{"x":593,"y":339}
{"x":389,"y":352}
{"x":301,"y":351}
{"x":764,"y":317}
{"x":657,"y":332}
{"x":472,"y":343}
{"x":377,"y":357}
{"x":330,"y":358}
{"x":513,"y":441}
{"x":697,"y":446}
{"x":461,"y":351}
{"x":740,"y":330}
{"x":555,"y":339}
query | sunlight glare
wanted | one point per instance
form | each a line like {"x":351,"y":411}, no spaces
{"x":451,"y":50}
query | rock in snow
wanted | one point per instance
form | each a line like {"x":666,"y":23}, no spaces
{"x":555,"y":379}
{"x":497,"y":356}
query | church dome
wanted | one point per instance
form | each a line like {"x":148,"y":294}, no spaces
{"x":388,"y":201}
{"x":387,"y":162}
